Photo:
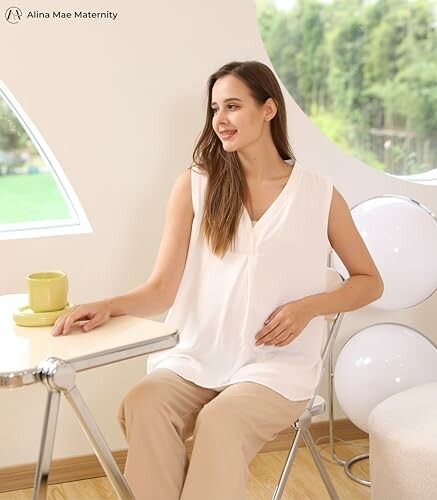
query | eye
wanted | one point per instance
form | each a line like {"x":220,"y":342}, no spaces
{"x":231,"y":107}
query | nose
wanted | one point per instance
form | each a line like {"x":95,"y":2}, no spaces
{"x":220,"y":116}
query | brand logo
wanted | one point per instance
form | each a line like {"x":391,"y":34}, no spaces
{"x":13,"y":15}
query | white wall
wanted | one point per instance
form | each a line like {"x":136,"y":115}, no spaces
{"x":121,"y":104}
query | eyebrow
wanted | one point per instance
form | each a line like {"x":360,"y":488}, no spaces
{"x":229,"y":99}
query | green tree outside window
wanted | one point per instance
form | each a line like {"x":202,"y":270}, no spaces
{"x":365,"y":71}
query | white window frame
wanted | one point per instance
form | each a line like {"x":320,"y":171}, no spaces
{"x":78,"y":223}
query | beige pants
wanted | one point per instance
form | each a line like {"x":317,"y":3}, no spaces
{"x":159,"y":413}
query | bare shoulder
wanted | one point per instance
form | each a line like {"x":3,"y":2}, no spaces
{"x":338,"y":202}
{"x":346,"y":240}
{"x":340,"y":218}
{"x":181,"y":191}
{"x":183,"y":180}
{"x":180,"y":198}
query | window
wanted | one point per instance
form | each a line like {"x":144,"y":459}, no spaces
{"x":36,"y":198}
{"x":365,"y":71}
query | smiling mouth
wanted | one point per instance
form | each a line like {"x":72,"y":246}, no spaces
{"x":227,"y":135}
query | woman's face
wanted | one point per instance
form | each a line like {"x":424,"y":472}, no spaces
{"x":238,"y":120}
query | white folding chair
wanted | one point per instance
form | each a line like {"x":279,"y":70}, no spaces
{"x":315,"y":406}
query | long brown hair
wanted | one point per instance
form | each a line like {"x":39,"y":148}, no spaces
{"x":227,"y":188}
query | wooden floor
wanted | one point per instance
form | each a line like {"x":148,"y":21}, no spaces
{"x":304,"y":483}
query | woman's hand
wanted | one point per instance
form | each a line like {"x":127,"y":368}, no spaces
{"x":93,"y":314}
{"x":285,"y":323}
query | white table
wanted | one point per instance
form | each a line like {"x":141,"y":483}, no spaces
{"x":33,"y":355}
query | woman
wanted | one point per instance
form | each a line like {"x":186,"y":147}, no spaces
{"x":242,"y":263}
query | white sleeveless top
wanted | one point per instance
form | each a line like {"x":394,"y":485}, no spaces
{"x":221,"y":304}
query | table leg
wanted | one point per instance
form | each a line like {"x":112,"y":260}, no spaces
{"x":46,"y":446}
{"x":99,"y":444}
{"x":58,"y":375}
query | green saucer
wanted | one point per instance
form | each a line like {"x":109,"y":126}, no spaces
{"x":24,"y":316}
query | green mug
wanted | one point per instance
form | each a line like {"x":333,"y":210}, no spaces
{"x":47,"y":291}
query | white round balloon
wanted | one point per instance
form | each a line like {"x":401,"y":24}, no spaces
{"x":377,"y":362}
{"x":401,"y":236}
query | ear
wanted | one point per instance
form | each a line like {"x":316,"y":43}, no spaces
{"x":270,"y":109}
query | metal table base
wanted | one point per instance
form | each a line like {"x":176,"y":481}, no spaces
{"x":29,"y":359}
{"x":60,"y":378}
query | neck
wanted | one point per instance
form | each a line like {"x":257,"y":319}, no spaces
{"x":262,"y":163}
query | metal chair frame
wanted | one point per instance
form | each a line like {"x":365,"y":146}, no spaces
{"x":316,"y":405}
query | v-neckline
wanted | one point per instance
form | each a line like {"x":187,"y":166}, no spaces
{"x":274,"y":203}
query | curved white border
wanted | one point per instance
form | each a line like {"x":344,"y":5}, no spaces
{"x":79,"y":222}
{"x":429,"y":177}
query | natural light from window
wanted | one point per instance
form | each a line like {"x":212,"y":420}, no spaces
{"x":36,"y":198}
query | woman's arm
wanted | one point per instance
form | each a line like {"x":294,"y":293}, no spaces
{"x":157,"y":294}
{"x":365,"y":284}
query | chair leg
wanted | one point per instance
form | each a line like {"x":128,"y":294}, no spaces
{"x":323,"y":472}
{"x":277,"y":495}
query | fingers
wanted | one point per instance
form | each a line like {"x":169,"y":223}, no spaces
{"x":272,"y":314}
{"x":279,"y":337}
{"x":288,"y":340}
{"x":278,"y":334}
{"x":278,"y":324}
{"x":58,"y":327}
{"x":283,"y":325}
{"x":279,"y":331}
{"x":95,"y":314}
{"x":65,"y":322}
{"x":265,"y":332}
{"x":70,"y":320}
{"x":97,"y":320}
{"x":267,"y":329}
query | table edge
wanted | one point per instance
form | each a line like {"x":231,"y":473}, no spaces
{"x":21,"y":378}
